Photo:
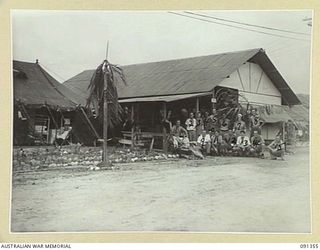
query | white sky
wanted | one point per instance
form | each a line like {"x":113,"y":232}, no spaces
{"x":68,"y":42}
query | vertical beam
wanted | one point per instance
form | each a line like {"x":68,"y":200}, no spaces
{"x":283,"y":130}
{"x":153,"y":113}
{"x":164,"y":139}
{"x":240,"y":79}
{"x":89,"y":123}
{"x":48,"y":131}
{"x":283,"y":135}
{"x":250,"y":77}
{"x":132,"y":128}
{"x":213,"y":96}
{"x":105,"y":125}
{"x":132,"y":112}
{"x":165,"y":110}
{"x":197,"y":104}
{"x":137,"y":111}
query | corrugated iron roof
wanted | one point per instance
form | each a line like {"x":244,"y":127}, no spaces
{"x":34,"y":86}
{"x":184,"y":76}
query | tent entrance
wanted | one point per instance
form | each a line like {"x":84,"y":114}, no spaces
{"x":41,"y":129}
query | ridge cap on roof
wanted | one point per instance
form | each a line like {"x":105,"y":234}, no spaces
{"x":19,"y":61}
{"x":193,"y":57}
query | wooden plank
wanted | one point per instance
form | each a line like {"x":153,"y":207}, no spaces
{"x":151,"y":144}
{"x":125,"y":142}
{"x":89,"y":122}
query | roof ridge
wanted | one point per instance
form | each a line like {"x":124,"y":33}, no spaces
{"x":193,"y":57}
{"x":18,"y":61}
{"x":46,"y":74}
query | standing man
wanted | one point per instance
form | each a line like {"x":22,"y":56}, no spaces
{"x":255,"y":124}
{"x":224,"y":124}
{"x":239,"y":125}
{"x":214,"y":118}
{"x":191,"y":127}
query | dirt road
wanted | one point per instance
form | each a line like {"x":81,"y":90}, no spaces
{"x":212,"y":195}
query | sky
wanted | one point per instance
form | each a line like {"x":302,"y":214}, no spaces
{"x":68,"y":42}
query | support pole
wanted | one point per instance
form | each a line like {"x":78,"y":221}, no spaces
{"x":89,"y":123}
{"x":197,"y":104}
{"x":165,"y":110}
{"x":132,"y":128}
{"x":164,"y":140}
{"x":283,"y":135}
{"x":213,"y":97}
{"x":105,"y":128}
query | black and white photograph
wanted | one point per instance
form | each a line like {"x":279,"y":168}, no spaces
{"x":161,"y":121}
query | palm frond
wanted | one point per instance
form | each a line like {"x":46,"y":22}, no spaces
{"x":105,"y":77}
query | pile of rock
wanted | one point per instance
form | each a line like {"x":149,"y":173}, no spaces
{"x":75,"y":156}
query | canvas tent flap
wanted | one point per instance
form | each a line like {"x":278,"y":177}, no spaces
{"x":271,"y":113}
{"x":165,"y":98}
{"x":274,"y":114}
{"x":33,"y":86}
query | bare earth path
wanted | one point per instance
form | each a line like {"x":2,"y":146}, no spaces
{"x":213,"y":195}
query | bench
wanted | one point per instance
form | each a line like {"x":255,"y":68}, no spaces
{"x":139,"y":139}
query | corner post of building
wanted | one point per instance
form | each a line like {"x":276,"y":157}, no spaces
{"x":164,"y":140}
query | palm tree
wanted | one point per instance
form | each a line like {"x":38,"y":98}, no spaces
{"x":103,"y":99}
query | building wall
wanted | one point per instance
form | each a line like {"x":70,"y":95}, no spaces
{"x":253,"y":85}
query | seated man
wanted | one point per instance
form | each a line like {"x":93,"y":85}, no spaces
{"x":186,"y":150}
{"x":276,"y":148}
{"x":185,"y":142}
{"x":204,"y":142}
{"x":256,"y":144}
{"x":243,"y":144}
{"x":178,"y":132}
{"x":216,"y":143}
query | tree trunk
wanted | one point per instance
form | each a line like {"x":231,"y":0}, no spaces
{"x":105,"y":126}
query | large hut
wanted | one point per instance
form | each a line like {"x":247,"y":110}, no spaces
{"x":246,"y":78}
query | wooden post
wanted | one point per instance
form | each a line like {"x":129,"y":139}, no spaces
{"x":105,"y":126}
{"x":132,"y":128}
{"x":48,"y":131}
{"x":164,"y":140}
{"x":283,"y":135}
{"x":213,"y":96}
{"x":165,"y":110}
{"x":197,"y":104}
{"x":89,"y":123}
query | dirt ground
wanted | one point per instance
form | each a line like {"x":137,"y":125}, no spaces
{"x":217,"y":194}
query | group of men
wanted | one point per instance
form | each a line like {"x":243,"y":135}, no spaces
{"x":217,"y":135}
